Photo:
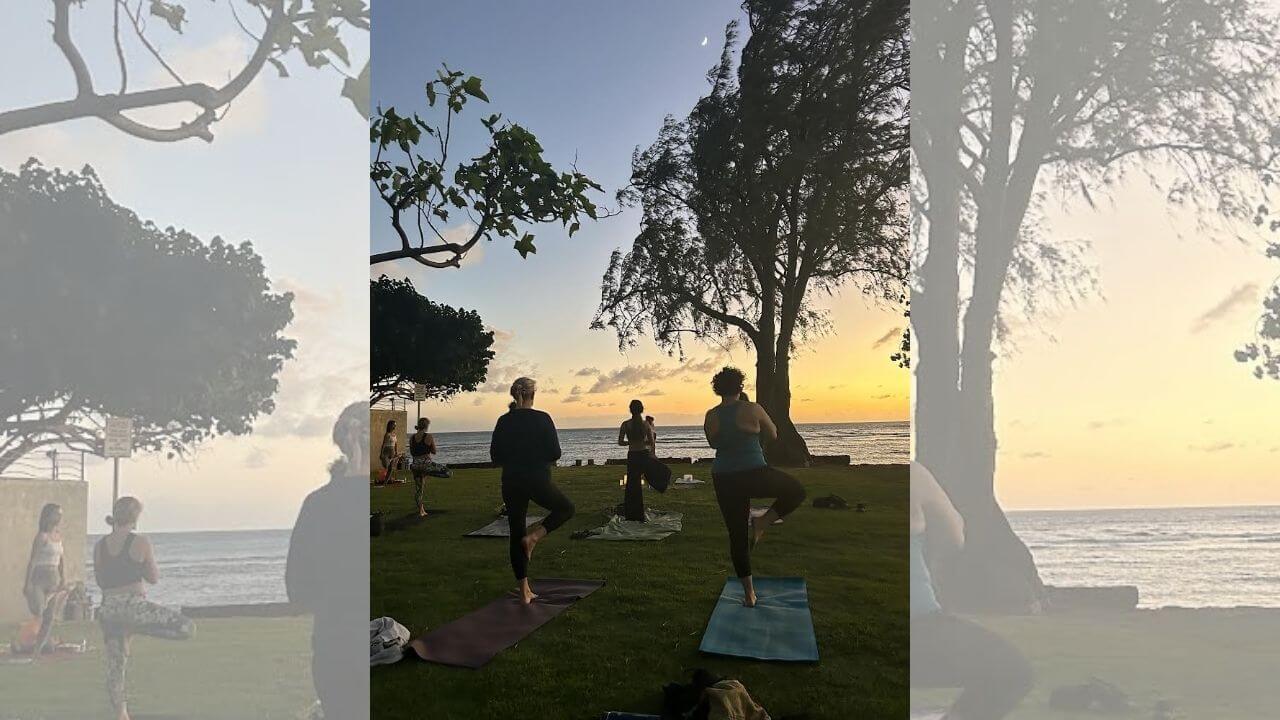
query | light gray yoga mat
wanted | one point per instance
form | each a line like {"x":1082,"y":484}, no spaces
{"x":659,"y":524}
{"x":501,"y":528}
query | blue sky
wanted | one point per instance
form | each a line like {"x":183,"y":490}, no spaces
{"x":288,"y":171}
{"x":592,"y":80}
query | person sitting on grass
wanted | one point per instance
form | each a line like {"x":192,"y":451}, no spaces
{"x":124,"y":564}
{"x":46,"y":581}
{"x":637,"y":435}
{"x":740,"y":473}
{"x":948,"y":651}
{"x":526,"y":445}
{"x":422,"y":447}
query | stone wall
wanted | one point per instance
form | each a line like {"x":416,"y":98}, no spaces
{"x":20,"y":503}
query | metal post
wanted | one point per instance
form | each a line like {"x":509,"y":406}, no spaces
{"x":115,"y":483}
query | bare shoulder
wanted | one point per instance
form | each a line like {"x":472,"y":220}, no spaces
{"x":141,"y":546}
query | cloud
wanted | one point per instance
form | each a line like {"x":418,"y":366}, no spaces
{"x":501,"y":338}
{"x":1241,"y":296}
{"x":886,"y":396}
{"x":654,"y":393}
{"x":214,"y":64}
{"x":572,"y":399}
{"x":1212,"y":448}
{"x":888,"y":337}
{"x":635,"y":376}
{"x":587,"y":372}
{"x":1034,"y":454}
{"x":256,"y":458}
{"x":478,"y":401}
{"x":575,"y":390}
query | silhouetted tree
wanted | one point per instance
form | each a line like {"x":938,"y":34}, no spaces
{"x":312,"y":28}
{"x":1265,"y":356}
{"x":413,"y":340}
{"x":125,"y":318}
{"x":787,"y":180}
{"x":507,"y":186}
{"x":1023,"y":102}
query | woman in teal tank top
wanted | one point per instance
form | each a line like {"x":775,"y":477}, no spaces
{"x":949,"y":651}
{"x":740,"y":473}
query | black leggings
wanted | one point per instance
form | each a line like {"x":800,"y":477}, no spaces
{"x":517,"y":491}
{"x":949,"y":652}
{"x":734,"y":491}
{"x":642,"y":464}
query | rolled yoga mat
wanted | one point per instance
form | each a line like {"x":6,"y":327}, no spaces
{"x":779,"y":627}
{"x":500,"y":527}
{"x":474,"y":639}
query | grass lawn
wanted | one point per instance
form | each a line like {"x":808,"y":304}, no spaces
{"x":617,"y":648}
{"x":240,"y":668}
{"x":1212,"y":663}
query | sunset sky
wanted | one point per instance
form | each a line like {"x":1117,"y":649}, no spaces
{"x":286,"y":171}
{"x":593,"y":81}
{"x":1134,"y":398}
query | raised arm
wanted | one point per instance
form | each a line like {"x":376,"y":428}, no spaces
{"x":711,"y":428}
{"x":498,"y":444}
{"x":31,"y":558}
{"x":767,"y":428}
{"x":941,"y":517}
{"x":150,"y":571}
{"x":552,"y":440}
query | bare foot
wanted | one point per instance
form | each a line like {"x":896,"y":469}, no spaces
{"x":526,"y":594}
{"x":749,"y":600}
{"x":422,"y":512}
{"x":531,"y":540}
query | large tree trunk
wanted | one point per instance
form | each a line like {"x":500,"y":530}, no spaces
{"x":955,"y":412}
{"x":790,"y":449}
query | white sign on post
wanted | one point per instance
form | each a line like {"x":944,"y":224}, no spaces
{"x":419,"y":392}
{"x":117,"y":439}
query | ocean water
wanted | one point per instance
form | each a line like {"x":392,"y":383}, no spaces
{"x":246,"y":567}
{"x":1186,"y":557}
{"x":215,"y":568}
{"x":872,"y":442}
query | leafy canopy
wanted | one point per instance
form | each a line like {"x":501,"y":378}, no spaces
{"x":508,"y":186}
{"x":414,"y":340}
{"x":113,"y":315}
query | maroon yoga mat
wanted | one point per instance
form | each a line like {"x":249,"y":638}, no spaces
{"x":474,"y":639}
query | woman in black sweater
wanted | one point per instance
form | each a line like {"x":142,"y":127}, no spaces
{"x":525,"y":444}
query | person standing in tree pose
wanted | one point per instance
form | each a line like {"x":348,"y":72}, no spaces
{"x":123,"y":563}
{"x":638,"y":436}
{"x":949,"y":651}
{"x":526,"y":445}
{"x":740,"y":473}
{"x":390,"y":450}
{"x":422,"y":448}
{"x":45,"y":586}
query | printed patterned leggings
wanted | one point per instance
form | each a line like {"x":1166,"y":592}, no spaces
{"x":125,"y":615}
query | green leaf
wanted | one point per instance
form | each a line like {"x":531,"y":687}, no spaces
{"x":471,"y":86}
{"x":525,"y":245}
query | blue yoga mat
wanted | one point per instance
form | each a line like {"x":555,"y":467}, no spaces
{"x":779,"y":627}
